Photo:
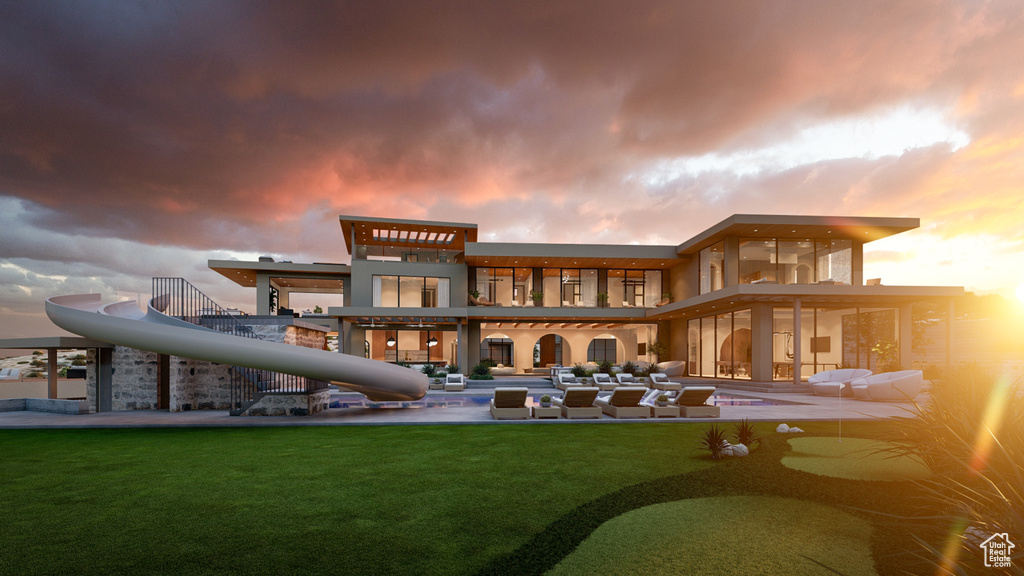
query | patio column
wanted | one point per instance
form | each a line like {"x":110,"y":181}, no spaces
{"x":460,"y":348}
{"x":51,"y":373}
{"x":797,"y":360}
{"x":906,"y":336}
{"x":950,"y":319}
{"x":262,"y":294}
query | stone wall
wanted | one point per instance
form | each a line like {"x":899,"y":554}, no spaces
{"x":133,"y":386}
{"x":199,"y":385}
{"x":289,"y":404}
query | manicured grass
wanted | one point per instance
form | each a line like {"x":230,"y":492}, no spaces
{"x":853,"y":458}
{"x":338,"y":500}
{"x":726,"y":534}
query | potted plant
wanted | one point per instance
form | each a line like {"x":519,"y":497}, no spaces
{"x":602,"y":299}
{"x":545,"y":401}
{"x":537,"y":297}
{"x":662,"y":400}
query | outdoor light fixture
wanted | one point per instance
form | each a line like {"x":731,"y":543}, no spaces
{"x":391,"y":340}
{"x":432,"y":341}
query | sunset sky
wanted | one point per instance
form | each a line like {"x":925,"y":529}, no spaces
{"x":142,"y":139}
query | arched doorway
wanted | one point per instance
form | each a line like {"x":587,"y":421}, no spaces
{"x":548,"y":350}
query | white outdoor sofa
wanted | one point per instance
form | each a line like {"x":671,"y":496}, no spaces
{"x":836,"y":382}
{"x":902,"y":386}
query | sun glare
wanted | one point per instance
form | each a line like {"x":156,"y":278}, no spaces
{"x":1020,"y":292}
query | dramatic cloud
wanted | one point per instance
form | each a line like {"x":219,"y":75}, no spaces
{"x":140,"y":139}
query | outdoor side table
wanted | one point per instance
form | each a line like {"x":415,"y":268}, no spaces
{"x":547,"y":412}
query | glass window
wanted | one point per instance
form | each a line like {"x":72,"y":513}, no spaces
{"x":483,"y":282}
{"x":712,"y":262}
{"x":782,"y":343}
{"x":570,"y":287}
{"x":835,"y":261}
{"x":523,"y":287}
{"x":503,"y":286}
{"x":757,"y":261}
{"x":652,"y":287}
{"x":552,"y":287}
{"x":588,"y":287}
{"x":387,"y":293}
{"x":796,"y":262}
{"x":602,"y":349}
{"x":410,"y":293}
{"x":634,"y":285}
{"x":693,"y":347}
{"x":707,"y":347}
{"x":430,"y":296}
{"x":616,"y":288}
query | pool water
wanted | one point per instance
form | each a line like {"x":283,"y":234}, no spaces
{"x":347,"y":400}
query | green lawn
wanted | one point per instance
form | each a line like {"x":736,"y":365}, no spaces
{"x":360,"y":500}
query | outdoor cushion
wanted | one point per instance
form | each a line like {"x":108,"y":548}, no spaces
{"x":901,"y":386}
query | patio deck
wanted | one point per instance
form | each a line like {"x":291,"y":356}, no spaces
{"x":459,"y":408}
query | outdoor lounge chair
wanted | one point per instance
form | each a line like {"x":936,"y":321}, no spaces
{"x":834,"y":382}
{"x":454,"y":383}
{"x":604,"y":382}
{"x":691,"y":401}
{"x":661,"y":382}
{"x":624,"y":402}
{"x":578,"y":402}
{"x":566,"y":380}
{"x":625,"y":379}
{"x":481,"y":301}
{"x":901,"y":386}
{"x":510,"y":403}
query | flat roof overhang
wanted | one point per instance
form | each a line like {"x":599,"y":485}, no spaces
{"x":406,"y":233}
{"x":825,"y":296}
{"x":317,"y":276}
{"x":529,"y":255}
{"x":60,"y":342}
{"x":859,"y":228}
{"x":390,"y":318}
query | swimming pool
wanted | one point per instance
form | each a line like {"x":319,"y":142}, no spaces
{"x":348,"y":400}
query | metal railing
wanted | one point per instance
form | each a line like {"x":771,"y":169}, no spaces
{"x":178,"y":298}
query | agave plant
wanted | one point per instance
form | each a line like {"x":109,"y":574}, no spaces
{"x":713,"y":440}
{"x":629,"y":367}
{"x":746,"y":433}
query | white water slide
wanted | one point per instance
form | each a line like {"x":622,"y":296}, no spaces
{"x":124,"y":324}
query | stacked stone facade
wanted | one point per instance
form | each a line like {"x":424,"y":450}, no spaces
{"x":200,"y":385}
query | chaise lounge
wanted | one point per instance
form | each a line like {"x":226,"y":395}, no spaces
{"x":691,"y":401}
{"x":660,"y":381}
{"x":566,"y":380}
{"x":902,"y":386}
{"x":624,"y":402}
{"x":836,"y":382}
{"x":604,"y":382}
{"x":578,"y":402}
{"x":510,"y":404}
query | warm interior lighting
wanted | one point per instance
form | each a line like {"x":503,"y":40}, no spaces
{"x":391,"y":341}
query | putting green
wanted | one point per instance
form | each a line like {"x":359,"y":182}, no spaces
{"x":853,"y":459}
{"x":725,"y":535}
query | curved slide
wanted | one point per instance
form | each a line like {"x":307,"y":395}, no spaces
{"x":124,"y":324}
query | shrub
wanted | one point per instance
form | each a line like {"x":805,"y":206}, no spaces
{"x":579,"y":370}
{"x":403,"y":364}
{"x":78,"y":357}
{"x":629,"y":367}
{"x":452,"y":368}
{"x":746,"y":433}
{"x":604,"y":367}
{"x":37,"y":363}
{"x":481,"y":371}
{"x":545,"y":398}
{"x":78,"y":362}
{"x":662,"y":398}
{"x":713,"y":440}
{"x":429,"y":369}
{"x":971,"y":435}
